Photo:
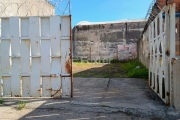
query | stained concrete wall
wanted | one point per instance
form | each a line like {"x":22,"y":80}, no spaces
{"x":143,"y":50}
{"x":101,"y":40}
{"x":176,"y":84}
{"x":26,"y":8}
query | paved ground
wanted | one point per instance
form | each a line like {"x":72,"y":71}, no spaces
{"x":102,"y":99}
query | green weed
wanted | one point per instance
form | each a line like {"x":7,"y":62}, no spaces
{"x":116,"y":69}
{"x":132,"y":72}
{"x":104,"y":106}
{"x":1,"y":100}
{"x":118,"y":75}
{"x":21,"y":105}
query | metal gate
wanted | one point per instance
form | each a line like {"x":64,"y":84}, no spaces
{"x":161,"y":51}
{"x":35,"y":57}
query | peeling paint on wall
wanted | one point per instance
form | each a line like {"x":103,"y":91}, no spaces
{"x":127,"y":51}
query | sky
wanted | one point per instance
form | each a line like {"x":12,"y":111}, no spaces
{"x":108,"y":10}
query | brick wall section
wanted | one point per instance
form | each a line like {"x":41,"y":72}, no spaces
{"x":162,"y":3}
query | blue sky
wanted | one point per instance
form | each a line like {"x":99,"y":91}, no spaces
{"x":108,"y":10}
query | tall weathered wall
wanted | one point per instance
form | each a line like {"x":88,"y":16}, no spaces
{"x":100,"y":41}
{"x":26,"y":8}
{"x":143,"y":50}
{"x":176,"y":84}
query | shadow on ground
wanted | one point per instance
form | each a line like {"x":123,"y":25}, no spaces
{"x":94,"y":70}
{"x":96,"y":98}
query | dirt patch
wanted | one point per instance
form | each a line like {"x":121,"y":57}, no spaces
{"x":98,"y":70}
{"x":115,"y":69}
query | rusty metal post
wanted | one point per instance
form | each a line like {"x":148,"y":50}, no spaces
{"x":71,"y":56}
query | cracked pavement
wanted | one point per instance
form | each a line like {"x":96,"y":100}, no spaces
{"x":95,"y":98}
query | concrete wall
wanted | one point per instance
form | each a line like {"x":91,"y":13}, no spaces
{"x":101,"y":40}
{"x":176,"y":84}
{"x":143,"y":50}
{"x":26,"y":8}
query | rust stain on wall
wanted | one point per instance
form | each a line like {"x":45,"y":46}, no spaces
{"x":127,"y":51}
{"x":68,"y":66}
{"x":55,"y":92}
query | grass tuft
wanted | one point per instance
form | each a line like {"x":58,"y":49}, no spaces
{"x":132,"y":72}
{"x":115,"y":69}
{"x":21,"y":105}
{"x":1,"y":100}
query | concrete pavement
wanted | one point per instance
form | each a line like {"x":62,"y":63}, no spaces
{"x":96,"y":98}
